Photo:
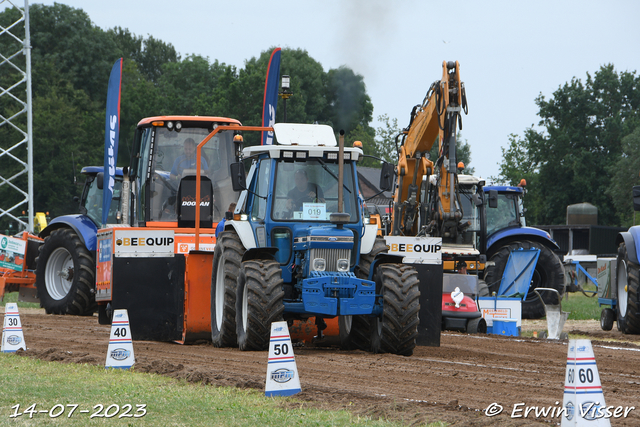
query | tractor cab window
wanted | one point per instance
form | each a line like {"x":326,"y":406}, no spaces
{"x":93,"y":202}
{"x":259,"y":209}
{"x":470,"y":220}
{"x":174,"y":157}
{"x":308,"y":191}
{"x":505,"y":215}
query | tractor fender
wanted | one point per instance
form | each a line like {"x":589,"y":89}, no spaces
{"x":244,"y":231}
{"x":503,"y":237}
{"x":368,"y":238}
{"x":631,"y":239}
{"x":383,"y":258}
{"x":81,"y":224}
{"x":260,"y":253}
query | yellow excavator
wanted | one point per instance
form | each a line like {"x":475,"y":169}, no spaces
{"x":433,"y":204}
{"x":426,"y":201}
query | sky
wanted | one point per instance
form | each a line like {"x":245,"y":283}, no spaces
{"x":509,"y":51}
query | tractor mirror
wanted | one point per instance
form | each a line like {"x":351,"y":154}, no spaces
{"x":386,"y":176}
{"x":493,"y":198}
{"x":636,"y":198}
{"x":238,"y":178}
{"x":100,"y":180}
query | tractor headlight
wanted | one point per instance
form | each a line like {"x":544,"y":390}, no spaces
{"x":343,"y":265}
{"x":319,"y":264}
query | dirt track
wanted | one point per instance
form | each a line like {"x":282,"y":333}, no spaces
{"x":452,"y":383}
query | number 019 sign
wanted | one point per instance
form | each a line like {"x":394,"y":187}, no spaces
{"x":314,"y":211}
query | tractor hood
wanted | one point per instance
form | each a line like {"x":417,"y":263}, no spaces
{"x":323,"y":237}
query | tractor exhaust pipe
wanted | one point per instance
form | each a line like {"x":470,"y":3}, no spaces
{"x":340,"y":218}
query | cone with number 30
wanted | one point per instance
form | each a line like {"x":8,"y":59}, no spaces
{"x":12,"y":336}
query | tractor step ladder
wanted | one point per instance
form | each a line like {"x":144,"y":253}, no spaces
{"x":555,"y":316}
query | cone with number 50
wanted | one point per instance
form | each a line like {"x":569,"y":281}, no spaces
{"x":120,"y":352}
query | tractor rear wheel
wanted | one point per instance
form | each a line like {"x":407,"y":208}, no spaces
{"x":259,"y":302}
{"x":227,"y":258}
{"x":548,"y":273}
{"x":396,"y":330}
{"x":65,"y":275}
{"x":355,"y":331}
{"x":628,"y":283}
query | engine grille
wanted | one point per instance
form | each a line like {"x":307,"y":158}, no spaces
{"x":331,"y":257}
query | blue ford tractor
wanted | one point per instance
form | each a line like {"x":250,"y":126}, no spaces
{"x":65,"y":267}
{"x":300,"y":244}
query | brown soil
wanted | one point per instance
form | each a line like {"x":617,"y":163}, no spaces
{"x":453,"y":383}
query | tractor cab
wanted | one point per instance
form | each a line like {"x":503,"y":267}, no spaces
{"x":91,"y":199}
{"x":505,"y":208}
{"x":163,"y":171}
{"x":291,"y":201}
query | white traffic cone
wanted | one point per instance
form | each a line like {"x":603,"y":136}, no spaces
{"x":583,"y":398}
{"x":12,"y":336}
{"x":120,"y":352}
{"x":282,"y":373}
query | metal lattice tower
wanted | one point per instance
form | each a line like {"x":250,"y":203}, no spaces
{"x":12,"y":95}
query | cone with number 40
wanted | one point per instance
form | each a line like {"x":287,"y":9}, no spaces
{"x":120,"y":353}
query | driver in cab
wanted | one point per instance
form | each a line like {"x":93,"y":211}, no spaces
{"x":187,"y":160}
{"x":303,"y":192}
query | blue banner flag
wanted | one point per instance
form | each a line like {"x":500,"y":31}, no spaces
{"x":111,"y":137}
{"x":271,"y":95}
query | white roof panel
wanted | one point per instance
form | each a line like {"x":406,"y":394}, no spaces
{"x":303,"y":134}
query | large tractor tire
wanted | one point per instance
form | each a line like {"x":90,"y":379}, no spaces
{"x":65,"y":275}
{"x":355,"y":331}
{"x":227,"y":258}
{"x":397,"y":329}
{"x":259,"y":302}
{"x":628,"y":282}
{"x":549,"y":273}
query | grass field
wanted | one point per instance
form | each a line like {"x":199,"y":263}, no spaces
{"x":154,"y":400}
{"x":13,"y":297}
{"x":582,"y":307}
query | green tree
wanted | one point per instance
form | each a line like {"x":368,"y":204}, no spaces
{"x":572,"y":159}
{"x":626,"y":174}
{"x":150,"y":54}
{"x":385,"y":142}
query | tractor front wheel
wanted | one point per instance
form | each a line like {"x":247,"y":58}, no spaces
{"x":227,"y":258}
{"x":628,"y":284}
{"x":397,"y":329}
{"x":355,"y":331}
{"x":259,"y":302}
{"x":65,"y":275}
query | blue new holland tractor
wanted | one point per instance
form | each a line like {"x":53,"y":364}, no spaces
{"x":506,"y":231}
{"x":625,"y":294}
{"x":66,"y":267}
{"x":299,"y":244}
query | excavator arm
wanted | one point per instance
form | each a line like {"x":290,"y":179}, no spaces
{"x":426,"y":200}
